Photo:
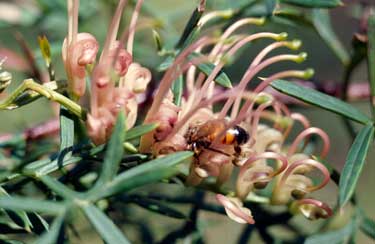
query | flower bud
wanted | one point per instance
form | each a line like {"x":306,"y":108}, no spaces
{"x":5,"y":80}
{"x":76,"y":56}
{"x":137,"y":78}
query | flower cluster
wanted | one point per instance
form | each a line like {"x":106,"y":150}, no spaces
{"x":115,"y":79}
{"x":250,"y":131}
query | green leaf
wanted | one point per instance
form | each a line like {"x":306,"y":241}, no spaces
{"x":168,"y":61}
{"x":371,"y":59}
{"x":157,"y":207}
{"x":104,"y":226}
{"x":39,"y":223}
{"x":291,"y":16}
{"x":270,"y":5}
{"x":139,"y":130}
{"x":177,"y":89}
{"x":45,"y":166}
{"x":146,"y":173}
{"x":157,"y":40}
{"x":66,"y":130}
{"x":31,"y":205}
{"x":19,"y":217}
{"x":367,"y":226}
{"x":114,"y":152}
{"x":207,"y":68}
{"x":314,"y":3}
{"x":59,"y":188}
{"x":190,"y":28}
{"x":8,"y":241}
{"x":322,"y":24}
{"x":321,"y":100}
{"x":53,"y":233}
{"x":354,"y":164}
{"x":333,"y":237}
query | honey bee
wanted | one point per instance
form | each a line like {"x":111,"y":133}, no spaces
{"x":201,"y":137}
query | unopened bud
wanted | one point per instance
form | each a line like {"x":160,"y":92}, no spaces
{"x":157,"y":40}
{"x":5,"y":80}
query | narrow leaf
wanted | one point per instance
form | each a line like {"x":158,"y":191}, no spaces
{"x":19,"y":217}
{"x":139,"y":130}
{"x":58,"y":187}
{"x":114,"y":152}
{"x":322,"y":24}
{"x":177,"y":89}
{"x":321,"y":100}
{"x":333,"y":237}
{"x":66,"y":131}
{"x":371,"y":59}
{"x":146,"y":173}
{"x":39,"y":223}
{"x":7,"y":228}
{"x":46,"y":166}
{"x":191,"y":38}
{"x":292,"y":16}
{"x":157,"y":207}
{"x":190,"y":27}
{"x":7,"y":241}
{"x":354,"y":164}
{"x":314,"y":3}
{"x":31,"y":205}
{"x":104,"y":226}
{"x":368,"y":227}
{"x":207,"y":68}
{"x":168,"y":61}
{"x":53,"y":233}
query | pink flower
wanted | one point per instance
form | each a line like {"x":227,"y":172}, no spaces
{"x":78,"y":50}
{"x":116,"y":66}
{"x":76,"y":56}
{"x":212,"y":132}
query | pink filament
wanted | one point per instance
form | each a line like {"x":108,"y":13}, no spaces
{"x":307,"y":132}
{"x":250,"y":73}
{"x":266,"y":155}
{"x":113,"y":29}
{"x":310,"y":162}
{"x":133,"y":22}
{"x":230,"y":53}
{"x":170,"y":76}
